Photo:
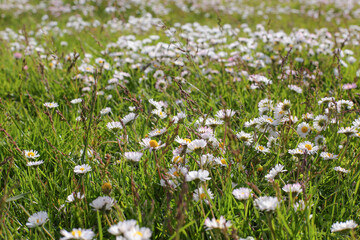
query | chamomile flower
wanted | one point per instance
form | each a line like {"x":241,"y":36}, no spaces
{"x":37,"y":219}
{"x":341,"y":226}
{"x":133,"y":156}
{"x":328,"y":156}
{"x":303,"y":129}
{"x":211,"y":122}
{"x":103,"y":203}
{"x":343,"y":105}
{"x":347,"y":131}
{"x":242,"y":193}
{"x":77,"y":233}
{"x":214,"y":223}
{"x":320,"y":140}
{"x":122,"y":227}
{"x":77,"y":100}
{"x":296,"y":151}
{"x":81,"y":169}
{"x":51,"y":104}
{"x":266,"y":203}
{"x":320,"y":122}
{"x":32,"y":154}
{"x":138,"y":233}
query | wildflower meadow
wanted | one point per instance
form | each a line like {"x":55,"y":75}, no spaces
{"x":179,"y":119}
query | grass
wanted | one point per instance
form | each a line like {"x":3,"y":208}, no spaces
{"x":171,"y":213}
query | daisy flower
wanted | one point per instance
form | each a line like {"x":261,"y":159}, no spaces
{"x":320,"y":122}
{"x":122,"y":227}
{"x":128,"y":118}
{"x":340,"y":169}
{"x":341,"y":226}
{"x":114,"y":125}
{"x":159,"y":113}
{"x":326,"y":100}
{"x":296,"y":151}
{"x":133,"y":156}
{"x":51,"y":104}
{"x":31,"y":154}
{"x":148,"y":143}
{"x":182,"y":141}
{"x":225,"y":114}
{"x":73,"y":196}
{"x":214,"y":223}
{"x":266,"y":203}
{"x":242,"y":193}
{"x":262,"y":149}
{"x":138,"y":233}
{"x":77,"y":233}
{"x":105,"y":111}
{"x":202,"y":175}
{"x":103,"y":203}
{"x":347,"y":131}
{"x":308,"y":147}
{"x":274,"y":171}
{"x":211,"y":122}
{"x":296,"y":187}
{"x":37,"y":219}
{"x":303,"y":129}
{"x":201,"y":195}
{"x":247,"y":138}
{"x":157,"y":132}
{"x":196,"y":145}
{"x":328,"y":156}
{"x":75,"y":101}
{"x":36,"y":163}
{"x":320,"y":140}
{"x":81,"y":169}
{"x":342,"y":105}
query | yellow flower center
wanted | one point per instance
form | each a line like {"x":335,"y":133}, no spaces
{"x":153,"y":143}
{"x":78,"y":233}
{"x":329,"y":155}
{"x":31,"y":154}
{"x":304,"y":129}
{"x":187,"y":140}
{"x":82,"y":169}
{"x":37,"y":221}
{"x":270,"y":120}
{"x":51,"y":64}
{"x":202,"y":196}
{"x":221,"y":145}
{"x":223,"y":161}
{"x":261,"y":148}
{"x":88,"y":69}
{"x":178,"y":159}
{"x":308,"y":147}
{"x":158,"y":131}
{"x":161,"y":113}
{"x":176,"y":174}
{"x":217,"y":220}
{"x":138,"y":233}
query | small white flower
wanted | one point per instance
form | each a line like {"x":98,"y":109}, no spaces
{"x":261,"y":149}
{"x":202,"y":175}
{"x":77,"y":233}
{"x":340,"y":169}
{"x":157,"y":132}
{"x":308,"y":147}
{"x":103,"y":203}
{"x":247,"y":138}
{"x":217,"y":223}
{"x":74,"y":196}
{"x":182,"y":141}
{"x":81,"y":169}
{"x":328,"y":156}
{"x":31,"y":154}
{"x":36,"y":163}
{"x":200,"y":194}
{"x":223,"y":114}
{"x":122,"y":227}
{"x":148,"y":143}
{"x":114,"y":125}
{"x":296,"y":187}
{"x":133,"y":156}
{"x":105,"y":111}
{"x":274,"y":171}
{"x":51,"y":104}
{"x":303,"y":129}
{"x":242,"y":193}
{"x":341,"y":226}
{"x":75,"y":101}
{"x":266,"y":203}
{"x":128,"y":118}
{"x":37,"y":219}
{"x":160,"y":113}
{"x":196,"y":144}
